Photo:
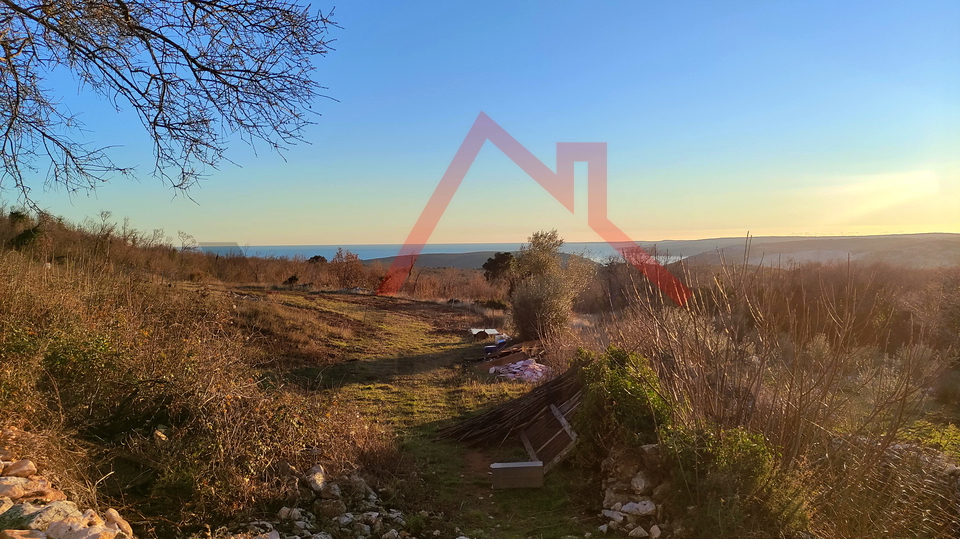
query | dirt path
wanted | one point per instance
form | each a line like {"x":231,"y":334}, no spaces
{"x":409,"y":364}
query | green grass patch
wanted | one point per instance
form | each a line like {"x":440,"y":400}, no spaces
{"x":944,"y":437}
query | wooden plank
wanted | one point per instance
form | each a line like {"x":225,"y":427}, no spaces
{"x":549,"y":437}
{"x":571,"y":404}
{"x":541,"y":431}
{"x":544,"y":428}
{"x":555,"y":446}
{"x":556,"y":460}
{"x":528,"y":446}
{"x":534,"y":419}
{"x":541,"y":446}
{"x":517,"y":474}
{"x":563,"y":422}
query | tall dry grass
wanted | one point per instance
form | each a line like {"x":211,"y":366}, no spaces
{"x":450,"y":283}
{"x":152,"y":390}
{"x":156,"y":256}
{"x":828,"y":363}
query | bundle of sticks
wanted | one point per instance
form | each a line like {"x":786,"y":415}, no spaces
{"x":498,"y":424}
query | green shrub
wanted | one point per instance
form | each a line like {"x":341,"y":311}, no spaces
{"x":498,"y":266}
{"x":26,"y":238}
{"x":729,"y":477}
{"x":545,"y":289}
{"x":541,"y":306}
{"x":67,"y":359}
{"x":17,"y":217}
{"x":622,"y":399}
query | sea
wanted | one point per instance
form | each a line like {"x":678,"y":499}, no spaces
{"x":595,"y":250}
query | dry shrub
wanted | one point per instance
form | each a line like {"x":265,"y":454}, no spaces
{"x":434,"y":284}
{"x":62,"y":459}
{"x":291,"y":333}
{"x":152,"y":255}
{"x":155,"y":383}
{"x":871,"y":488}
{"x":347,"y":269}
{"x":805,"y":356}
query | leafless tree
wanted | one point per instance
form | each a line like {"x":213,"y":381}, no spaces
{"x":197,"y":73}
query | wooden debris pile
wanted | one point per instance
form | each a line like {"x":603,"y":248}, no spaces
{"x":498,"y":424}
{"x":512,"y":354}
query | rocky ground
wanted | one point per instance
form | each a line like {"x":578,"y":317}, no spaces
{"x":31,"y":508}
{"x":334,"y":509}
{"x":634,"y":493}
{"x":348,"y":508}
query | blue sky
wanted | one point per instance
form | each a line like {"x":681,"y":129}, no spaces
{"x":720,"y":118}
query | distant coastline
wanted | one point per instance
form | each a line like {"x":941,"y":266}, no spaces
{"x":386,"y":250}
{"x":912,"y":250}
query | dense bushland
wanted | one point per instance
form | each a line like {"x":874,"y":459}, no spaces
{"x":821,"y":370}
{"x":781,"y":396}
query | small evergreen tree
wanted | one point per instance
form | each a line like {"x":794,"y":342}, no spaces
{"x":498,"y":266}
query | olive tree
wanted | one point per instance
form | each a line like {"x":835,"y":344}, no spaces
{"x":542,"y":298}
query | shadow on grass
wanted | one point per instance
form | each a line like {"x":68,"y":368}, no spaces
{"x":382,"y":369}
{"x":455,"y":479}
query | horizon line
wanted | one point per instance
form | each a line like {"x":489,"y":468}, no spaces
{"x":603,"y":242}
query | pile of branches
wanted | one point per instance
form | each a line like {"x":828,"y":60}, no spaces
{"x":502,"y":422}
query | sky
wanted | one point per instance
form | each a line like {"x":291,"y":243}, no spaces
{"x":720,"y":118}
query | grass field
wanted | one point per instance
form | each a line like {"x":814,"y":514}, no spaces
{"x":408,"y":364}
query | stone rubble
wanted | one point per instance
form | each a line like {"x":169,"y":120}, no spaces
{"x":328,"y":508}
{"x":31,"y":508}
{"x":633,"y":494}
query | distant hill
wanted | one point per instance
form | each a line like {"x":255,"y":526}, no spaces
{"x":909,"y":250}
{"x":474,"y":260}
{"x":686,"y":248}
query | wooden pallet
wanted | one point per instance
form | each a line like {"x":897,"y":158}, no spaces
{"x":548,"y":438}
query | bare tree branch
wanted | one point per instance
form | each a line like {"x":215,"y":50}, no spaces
{"x":197,"y":72}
